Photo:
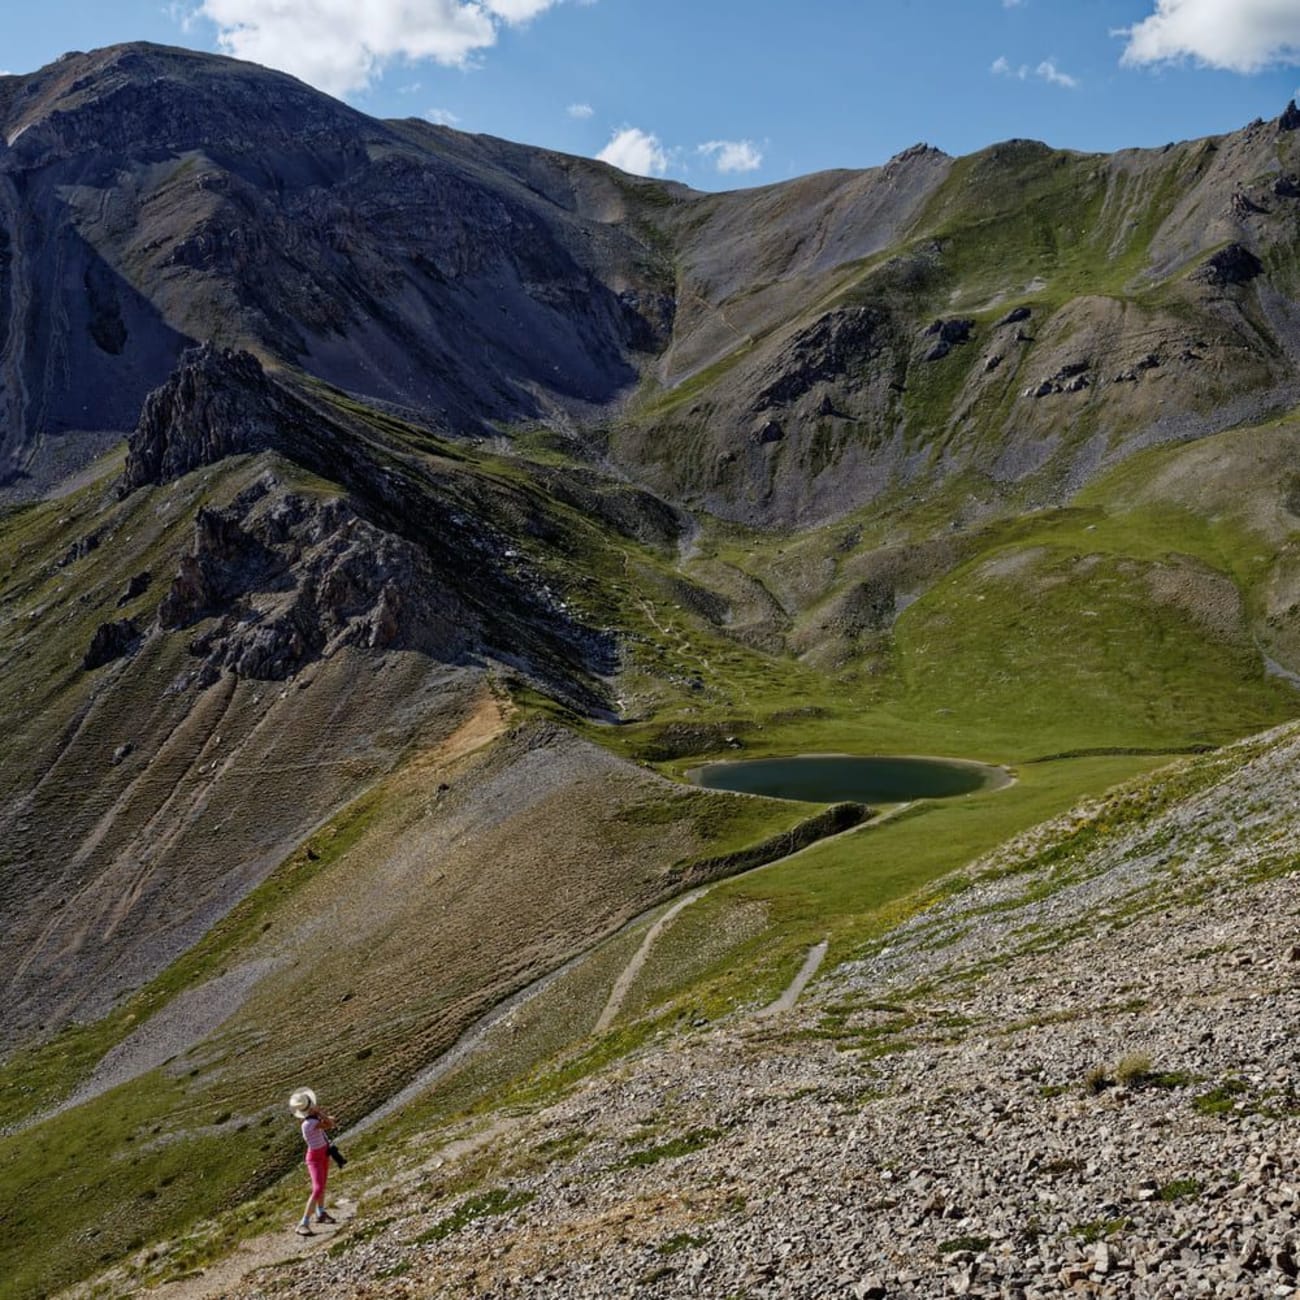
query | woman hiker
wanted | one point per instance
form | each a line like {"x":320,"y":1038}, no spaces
{"x":316,"y":1125}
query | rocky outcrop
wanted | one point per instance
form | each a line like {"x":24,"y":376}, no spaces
{"x":136,"y":587}
{"x":280,"y":579}
{"x":831,"y":349}
{"x":417,"y":556}
{"x":111,"y":641}
{"x":1290,"y":119}
{"x":1073,"y":377}
{"x":948,"y":333}
{"x":1235,"y":264}
{"x":217,"y":403}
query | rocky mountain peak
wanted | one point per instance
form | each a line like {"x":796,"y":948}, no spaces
{"x":140,"y":95}
{"x":217,"y":403}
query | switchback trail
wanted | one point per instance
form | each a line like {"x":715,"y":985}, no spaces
{"x":633,"y":968}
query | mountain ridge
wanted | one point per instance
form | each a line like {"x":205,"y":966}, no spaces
{"x":654,"y":316}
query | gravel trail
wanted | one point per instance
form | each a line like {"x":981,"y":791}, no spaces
{"x":816,"y":955}
{"x":633,"y":968}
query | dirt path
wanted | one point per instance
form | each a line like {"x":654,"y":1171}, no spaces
{"x":258,"y":1252}
{"x":816,"y":955}
{"x":633,"y":968}
{"x":272,"y":1248}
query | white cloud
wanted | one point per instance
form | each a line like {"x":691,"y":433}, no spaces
{"x":516,"y":11}
{"x":732,"y":155}
{"x":1051,"y":73}
{"x":580,"y":110}
{"x":442,"y":117}
{"x":1242,"y":35}
{"x":1045,"y":71}
{"x":340,"y":46}
{"x":636,"y":151}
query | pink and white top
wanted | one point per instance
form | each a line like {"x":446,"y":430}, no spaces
{"x":314,"y":1134}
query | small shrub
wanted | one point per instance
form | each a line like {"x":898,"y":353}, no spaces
{"x":1098,"y":1229}
{"x":1097,"y":1080}
{"x":1133,"y":1070}
{"x":1179,"y":1189}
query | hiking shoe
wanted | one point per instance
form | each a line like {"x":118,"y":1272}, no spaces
{"x":304,"y":1230}
{"x":324,"y":1217}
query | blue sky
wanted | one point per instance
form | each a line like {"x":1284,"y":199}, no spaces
{"x":721,"y":93}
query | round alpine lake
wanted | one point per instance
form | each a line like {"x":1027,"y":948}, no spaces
{"x":843,"y":778}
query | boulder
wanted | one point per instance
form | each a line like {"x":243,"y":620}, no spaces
{"x":948,"y":334}
{"x":1073,"y":368}
{"x":1015,"y":316}
{"x":1290,"y":119}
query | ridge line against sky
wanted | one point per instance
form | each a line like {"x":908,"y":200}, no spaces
{"x":717,"y":94}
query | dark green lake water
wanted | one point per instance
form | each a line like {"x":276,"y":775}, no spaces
{"x":833,"y":779}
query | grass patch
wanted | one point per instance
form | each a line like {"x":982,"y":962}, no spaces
{"x":679,"y":1242}
{"x":696,"y":1140}
{"x":1222,"y":1099}
{"x":490,"y":1204}
{"x":1099,"y":1229}
{"x":1179,"y":1189}
{"x":965,"y":1245}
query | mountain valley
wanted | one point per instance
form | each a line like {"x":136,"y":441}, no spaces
{"x":391,"y":518}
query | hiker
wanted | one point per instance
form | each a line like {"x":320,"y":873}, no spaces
{"x":316,"y":1125}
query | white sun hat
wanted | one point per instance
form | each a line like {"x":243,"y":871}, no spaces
{"x":301,"y":1102}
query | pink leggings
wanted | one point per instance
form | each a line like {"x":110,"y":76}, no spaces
{"x":318,"y":1166}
